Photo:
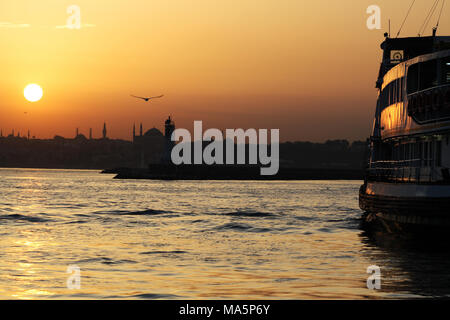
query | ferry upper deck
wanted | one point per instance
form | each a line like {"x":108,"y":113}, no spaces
{"x":414,"y":87}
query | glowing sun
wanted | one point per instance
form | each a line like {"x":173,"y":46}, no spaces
{"x":33,"y":92}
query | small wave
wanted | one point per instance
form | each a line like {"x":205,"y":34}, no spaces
{"x":77,"y":222}
{"x":82,"y":215}
{"x":148,"y":212}
{"x":344,"y":257}
{"x":104,"y":260}
{"x":19,"y":217}
{"x":345,"y":209}
{"x":234,"y":226}
{"x":303,"y":218}
{"x":346,"y":223}
{"x":154,"y":296}
{"x":252,"y":214}
{"x":144,"y":296}
{"x":165,"y":252}
{"x":285,"y":279}
{"x":325,"y":230}
{"x":241,"y":227}
{"x":69,"y":206}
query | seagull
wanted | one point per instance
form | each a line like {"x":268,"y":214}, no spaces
{"x":149,"y":98}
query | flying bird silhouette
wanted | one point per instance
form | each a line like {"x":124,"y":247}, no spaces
{"x":149,"y":98}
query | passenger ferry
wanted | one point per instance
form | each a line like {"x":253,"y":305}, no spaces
{"x":407,"y":183}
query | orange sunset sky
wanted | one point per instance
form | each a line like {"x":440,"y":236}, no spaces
{"x":305,"y":67}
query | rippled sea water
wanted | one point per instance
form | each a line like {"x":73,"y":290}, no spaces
{"x":197,"y":240}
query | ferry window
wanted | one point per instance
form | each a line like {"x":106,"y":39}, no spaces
{"x":413,"y":78}
{"x":391,"y":93}
{"x":402,"y":81}
{"x":428,"y":74}
{"x":419,"y":152}
{"x":431,"y":156}
{"x":425,"y":154}
{"x":416,"y":151}
{"x":438,"y":153}
{"x":397,"y":90}
{"x":446,"y":69}
{"x":407,"y":151}
{"x":395,"y":85}
{"x":388,"y":95}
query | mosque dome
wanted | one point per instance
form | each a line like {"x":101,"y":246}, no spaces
{"x":80,"y":137}
{"x":153,"y":133}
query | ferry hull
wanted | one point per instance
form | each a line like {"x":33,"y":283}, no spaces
{"x":390,"y":206}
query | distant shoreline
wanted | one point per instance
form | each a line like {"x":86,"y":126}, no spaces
{"x":162,"y":172}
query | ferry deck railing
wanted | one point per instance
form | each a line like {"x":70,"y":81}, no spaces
{"x":411,"y":171}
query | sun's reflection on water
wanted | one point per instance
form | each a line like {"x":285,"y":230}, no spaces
{"x":188,"y":240}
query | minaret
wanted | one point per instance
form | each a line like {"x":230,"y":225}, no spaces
{"x":169,"y":144}
{"x":76,"y":133}
{"x":169,"y":128}
{"x":104,"y":130}
{"x":1,"y":133}
{"x":90,"y":134}
{"x":141,"y":129}
{"x":28,"y":134}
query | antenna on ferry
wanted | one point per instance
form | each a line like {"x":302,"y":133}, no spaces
{"x":407,"y":14}
{"x":389,"y":28}
{"x":430,"y":16}
{"x":439,"y":19}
